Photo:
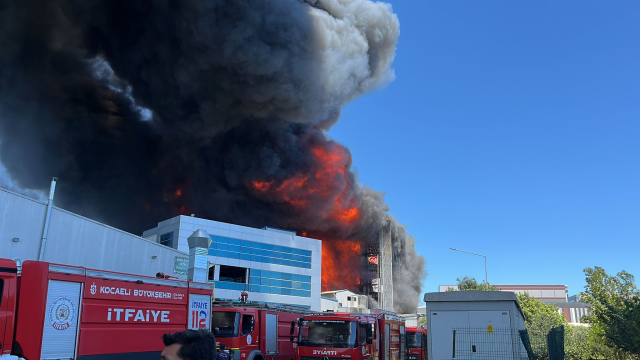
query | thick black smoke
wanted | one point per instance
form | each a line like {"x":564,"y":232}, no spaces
{"x":148,"y":109}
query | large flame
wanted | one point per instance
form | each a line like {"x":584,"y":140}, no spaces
{"x":328,"y":187}
{"x":329,"y":168}
{"x":340,"y":265}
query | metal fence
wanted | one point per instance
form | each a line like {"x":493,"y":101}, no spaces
{"x":507,"y":344}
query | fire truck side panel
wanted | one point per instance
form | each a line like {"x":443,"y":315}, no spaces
{"x":270,"y":334}
{"x":285,"y":346}
{"x":392,"y":341}
{"x":131,"y":315}
{"x":61,"y":320}
{"x":8,"y":303}
{"x":32,"y":303}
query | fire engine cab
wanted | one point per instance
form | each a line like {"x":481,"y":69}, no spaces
{"x":50,"y":311}
{"x":416,"y":343}
{"x":334,"y":336}
{"x":253,"y":331}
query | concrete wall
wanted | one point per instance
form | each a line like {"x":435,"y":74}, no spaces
{"x":76,"y":240}
{"x":327,"y":304}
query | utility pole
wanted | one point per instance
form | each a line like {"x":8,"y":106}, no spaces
{"x":486,"y":277}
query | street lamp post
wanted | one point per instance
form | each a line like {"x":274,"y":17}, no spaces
{"x":486,"y":277}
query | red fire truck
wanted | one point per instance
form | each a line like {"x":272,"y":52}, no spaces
{"x":416,"y":343}
{"x":50,"y":311}
{"x":255,"y":332}
{"x":334,"y":336}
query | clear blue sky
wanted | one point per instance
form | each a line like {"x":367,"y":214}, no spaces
{"x":513,"y":130}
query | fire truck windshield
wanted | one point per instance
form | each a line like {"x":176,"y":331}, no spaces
{"x":414,"y":340}
{"x":225,"y":323}
{"x":329,"y":333}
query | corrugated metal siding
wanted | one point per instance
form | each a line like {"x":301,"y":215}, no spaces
{"x":75,"y":240}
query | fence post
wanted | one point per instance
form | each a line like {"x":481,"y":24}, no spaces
{"x":555,"y":343}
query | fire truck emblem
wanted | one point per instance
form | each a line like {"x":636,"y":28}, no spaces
{"x":94,"y":289}
{"x":324,"y":358}
{"x":62,"y":313}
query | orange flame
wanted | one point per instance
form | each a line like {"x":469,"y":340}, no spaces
{"x":340,"y":265}
{"x":328,"y":175}
{"x":262,"y":185}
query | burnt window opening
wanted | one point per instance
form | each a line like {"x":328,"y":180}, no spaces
{"x":233,"y":274}
{"x":166,"y":239}
{"x":212,"y":273}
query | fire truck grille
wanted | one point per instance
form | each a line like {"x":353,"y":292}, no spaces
{"x":320,"y":357}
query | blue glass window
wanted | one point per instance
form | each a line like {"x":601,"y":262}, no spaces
{"x":260,"y":252}
{"x":166,"y":239}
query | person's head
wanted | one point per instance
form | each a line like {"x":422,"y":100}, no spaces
{"x":189,"y":345}
{"x":222,"y":346}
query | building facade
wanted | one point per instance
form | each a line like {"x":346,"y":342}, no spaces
{"x":71,"y":239}
{"x":271,"y":265}
{"x":544,"y":293}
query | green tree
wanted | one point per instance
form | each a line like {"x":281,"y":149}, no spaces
{"x":577,"y":343}
{"x":615,"y":308}
{"x":467,"y":283}
{"x":540,"y":317}
{"x":422,"y":321}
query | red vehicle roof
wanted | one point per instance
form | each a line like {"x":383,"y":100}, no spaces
{"x":6,"y":264}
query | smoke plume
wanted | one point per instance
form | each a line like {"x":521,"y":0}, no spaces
{"x":148,"y":109}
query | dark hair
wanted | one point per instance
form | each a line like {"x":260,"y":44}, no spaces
{"x":196,"y":344}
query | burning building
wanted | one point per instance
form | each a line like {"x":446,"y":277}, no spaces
{"x":146,"y":110}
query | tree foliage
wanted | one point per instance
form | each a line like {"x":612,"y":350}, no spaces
{"x":615,"y":307}
{"x":467,"y":284}
{"x":540,"y":317}
{"x":422,"y":321}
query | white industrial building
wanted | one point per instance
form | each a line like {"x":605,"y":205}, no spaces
{"x":71,"y":239}
{"x":344,"y":300}
{"x":272,"y":265}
